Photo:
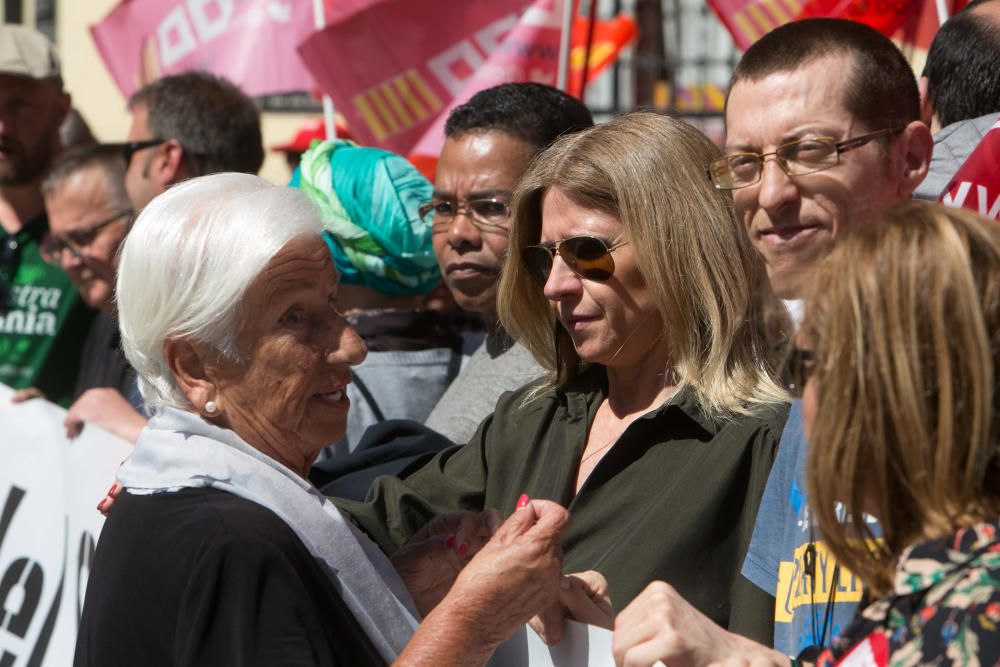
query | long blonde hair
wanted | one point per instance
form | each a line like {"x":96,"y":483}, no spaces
{"x":904,"y":321}
{"x":709,"y":285}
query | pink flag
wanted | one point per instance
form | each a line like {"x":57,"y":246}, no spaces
{"x":976,"y":184}
{"x":530,"y":52}
{"x":395,"y":66}
{"x":250,"y":42}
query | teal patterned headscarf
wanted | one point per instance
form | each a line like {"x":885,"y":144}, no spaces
{"x":369,"y":199}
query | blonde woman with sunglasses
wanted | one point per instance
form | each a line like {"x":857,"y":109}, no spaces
{"x":631,"y":281}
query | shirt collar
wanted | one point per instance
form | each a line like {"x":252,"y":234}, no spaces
{"x":594,"y":380}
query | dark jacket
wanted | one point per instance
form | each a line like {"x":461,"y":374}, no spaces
{"x":203,"y":577}
{"x":674,"y":499}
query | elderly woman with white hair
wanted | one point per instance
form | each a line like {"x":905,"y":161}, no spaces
{"x":220,"y":551}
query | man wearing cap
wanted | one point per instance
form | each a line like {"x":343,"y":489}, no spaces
{"x":42,"y":320}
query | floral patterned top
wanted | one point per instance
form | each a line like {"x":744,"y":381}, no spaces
{"x":944,"y":608}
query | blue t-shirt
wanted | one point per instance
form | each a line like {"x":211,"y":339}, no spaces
{"x":777,"y":558}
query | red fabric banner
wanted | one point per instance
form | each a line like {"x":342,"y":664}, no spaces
{"x":250,"y":42}
{"x":610,"y":37}
{"x":976,"y":184}
{"x":394,"y":67}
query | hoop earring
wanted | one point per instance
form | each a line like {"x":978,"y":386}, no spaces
{"x":211,"y":408}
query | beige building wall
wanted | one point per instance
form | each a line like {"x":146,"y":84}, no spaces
{"x":97,"y":97}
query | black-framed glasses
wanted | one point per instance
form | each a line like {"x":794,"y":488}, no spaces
{"x":75,"y":241}
{"x":130,"y":148}
{"x":796,"y":370}
{"x":796,"y":158}
{"x":587,"y":256}
{"x":487,"y":214}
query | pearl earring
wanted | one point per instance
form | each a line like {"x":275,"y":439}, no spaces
{"x":211,"y":408}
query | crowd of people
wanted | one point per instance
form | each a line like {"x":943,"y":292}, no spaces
{"x":736,"y":404}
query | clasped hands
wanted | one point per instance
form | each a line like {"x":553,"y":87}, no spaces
{"x":510,"y":570}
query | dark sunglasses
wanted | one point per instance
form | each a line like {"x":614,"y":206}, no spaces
{"x":587,"y":256}
{"x":130,"y":148}
{"x":796,"y":369}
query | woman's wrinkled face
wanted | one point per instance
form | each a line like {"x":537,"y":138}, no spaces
{"x":613,"y":322}
{"x":288,"y":397}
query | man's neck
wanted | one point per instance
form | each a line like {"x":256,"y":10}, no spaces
{"x":19,"y":204}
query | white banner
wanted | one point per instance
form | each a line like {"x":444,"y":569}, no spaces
{"x":49,"y":488}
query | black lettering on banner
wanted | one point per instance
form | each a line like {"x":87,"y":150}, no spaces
{"x":31,"y":585}
{"x":84,"y":559}
{"x":18,"y":622}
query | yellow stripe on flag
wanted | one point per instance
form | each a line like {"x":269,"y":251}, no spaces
{"x":760,"y":18}
{"x":425,"y":91}
{"x":365,"y":109}
{"x":777,"y":11}
{"x":749,"y":30}
{"x":383,"y":111}
{"x":404,"y":116}
{"x":409,"y":98}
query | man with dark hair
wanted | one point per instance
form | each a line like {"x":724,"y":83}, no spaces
{"x":960,"y":90}
{"x":89,"y":215}
{"x":823,"y":132}
{"x":489,"y":142}
{"x":188,"y":125}
{"x":41,"y":317}
{"x":842,"y":83}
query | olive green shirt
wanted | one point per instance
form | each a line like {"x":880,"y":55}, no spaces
{"x":674,"y":499}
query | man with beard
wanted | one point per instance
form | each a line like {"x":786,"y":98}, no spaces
{"x":42,"y":320}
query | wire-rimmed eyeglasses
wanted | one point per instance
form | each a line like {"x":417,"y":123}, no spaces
{"x":487,"y":214}
{"x":796,"y":158}
{"x":75,"y":241}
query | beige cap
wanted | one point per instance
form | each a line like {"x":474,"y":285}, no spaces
{"x":27,"y":52}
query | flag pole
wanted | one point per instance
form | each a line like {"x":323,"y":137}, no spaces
{"x":564,"y":39}
{"x":942,"y":11}
{"x":590,"y":44}
{"x":319,"y":19}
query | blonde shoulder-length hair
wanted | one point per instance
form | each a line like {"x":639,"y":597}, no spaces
{"x":709,"y":285}
{"x":903,"y":319}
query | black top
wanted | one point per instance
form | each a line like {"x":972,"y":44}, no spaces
{"x":203,"y":577}
{"x":102,"y":363}
{"x":674,"y":498}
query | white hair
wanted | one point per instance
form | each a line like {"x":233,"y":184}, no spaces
{"x":188,"y":261}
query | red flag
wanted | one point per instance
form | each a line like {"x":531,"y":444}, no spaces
{"x":976,"y":184}
{"x":250,"y":42}
{"x":749,"y":20}
{"x":610,"y":37}
{"x":886,"y":16}
{"x":393,"y":67}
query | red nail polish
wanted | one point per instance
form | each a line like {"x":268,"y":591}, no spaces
{"x":522,"y":501}
{"x":463,"y":549}
{"x":100,"y":505}
{"x":112,"y":489}
{"x":450,"y":542}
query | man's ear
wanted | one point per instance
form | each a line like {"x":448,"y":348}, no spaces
{"x":170,"y":163}
{"x":917,"y":145}
{"x":927,"y":114}
{"x":189,"y":363}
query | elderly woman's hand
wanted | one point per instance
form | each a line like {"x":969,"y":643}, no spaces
{"x":431,"y":560}
{"x":510,"y":580}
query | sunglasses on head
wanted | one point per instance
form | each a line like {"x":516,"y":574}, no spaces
{"x":587,"y":256}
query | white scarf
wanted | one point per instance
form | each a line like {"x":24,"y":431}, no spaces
{"x":180,"y":450}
